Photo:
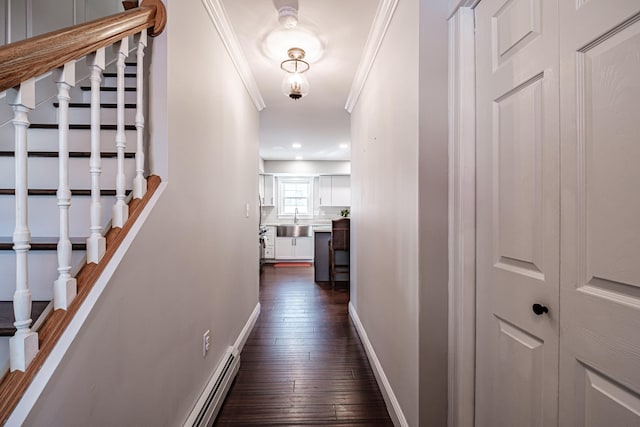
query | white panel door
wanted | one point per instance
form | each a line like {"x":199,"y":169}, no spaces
{"x":517,"y":213}
{"x":600,"y":228}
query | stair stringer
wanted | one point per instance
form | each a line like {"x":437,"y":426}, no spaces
{"x":55,"y":357}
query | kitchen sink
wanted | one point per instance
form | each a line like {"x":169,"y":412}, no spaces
{"x":293,"y":230}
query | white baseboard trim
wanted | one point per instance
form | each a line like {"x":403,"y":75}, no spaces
{"x":210,"y":401}
{"x":393,"y":406}
{"x":248,"y":327}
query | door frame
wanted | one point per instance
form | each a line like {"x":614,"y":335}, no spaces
{"x":462,"y":215}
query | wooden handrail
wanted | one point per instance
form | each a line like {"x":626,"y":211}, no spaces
{"x":35,"y":56}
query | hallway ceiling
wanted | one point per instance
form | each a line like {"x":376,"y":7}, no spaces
{"x":333,"y":33}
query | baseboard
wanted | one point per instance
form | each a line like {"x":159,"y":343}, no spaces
{"x":393,"y":406}
{"x":212,"y":397}
{"x":210,"y":401}
{"x":248,"y":327}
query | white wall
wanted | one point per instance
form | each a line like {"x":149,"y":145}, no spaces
{"x":307,"y":166}
{"x":384,"y":180}
{"x":433,"y":218}
{"x":137,"y":360}
{"x":20,"y":19}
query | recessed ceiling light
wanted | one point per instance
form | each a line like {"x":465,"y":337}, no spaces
{"x":296,"y":145}
{"x":344,"y":145}
{"x":298,"y":157}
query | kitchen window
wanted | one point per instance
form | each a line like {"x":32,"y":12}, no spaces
{"x":295,"y":193}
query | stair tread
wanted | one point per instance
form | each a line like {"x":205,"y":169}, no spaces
{"x":78,"y":126}
{"x":44,"y":243}
{"x":53,"y":192}
{"x":72,"y":154}
{"x":116,"y":74}
{"x":109,"y":88}
{"x":88,"y":105}
{"x":7,"y":316}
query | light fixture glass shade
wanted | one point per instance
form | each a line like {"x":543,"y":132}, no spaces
{"x":295,"y":85}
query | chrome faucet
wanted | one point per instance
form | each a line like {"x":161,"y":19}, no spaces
{"x":295,"y":216}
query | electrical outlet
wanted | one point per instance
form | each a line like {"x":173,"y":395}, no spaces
{"x":206,"y":343}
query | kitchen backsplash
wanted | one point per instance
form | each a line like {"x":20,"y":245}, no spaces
{"x":324,"y":214}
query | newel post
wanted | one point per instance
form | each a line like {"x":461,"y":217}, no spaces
{"x":23,"y":346}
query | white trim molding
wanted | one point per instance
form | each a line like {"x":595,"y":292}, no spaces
{"x":220,"y":20}
{"x":462,"y":207}
{"x":248,"y":327}
{"x":381,"y":22}
{"x":393,"y":406}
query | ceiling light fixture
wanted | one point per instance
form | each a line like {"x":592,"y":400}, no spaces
{"x":298,"y":157}
{"x":344,"y":145}
{"x":295,"y":84}
{"x":296,"y":145}
{"x":287,"y":12}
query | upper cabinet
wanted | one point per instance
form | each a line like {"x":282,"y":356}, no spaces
{"x":266,"y":189}
{"x":335,"y":190}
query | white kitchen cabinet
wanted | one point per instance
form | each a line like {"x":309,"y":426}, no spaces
{"x":341,"y":190}
{"x":335,"y":190}
{"x":325,"y":190}
{"x":294,"y":248}
{"x":266,"y":189}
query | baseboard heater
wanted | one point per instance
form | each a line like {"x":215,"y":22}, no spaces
{"x":209,"y":403}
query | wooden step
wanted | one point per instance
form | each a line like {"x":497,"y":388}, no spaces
{"x":88,"y":105}
{"x":52,"y":192}
{"x":7,"y":316}
{"x":116,"y":74}
{"x":108,"y":88}
{"x":44,"y":243}
{"x":72,"y":127}
{"x":72,"y":154}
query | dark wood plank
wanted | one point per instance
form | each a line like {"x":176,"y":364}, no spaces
{"x":303,"y":363}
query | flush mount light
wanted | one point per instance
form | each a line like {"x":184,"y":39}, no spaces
{"x":298,"y":157}
{"x":295,"y":84}
{"x":296,"y":145}
{"x":344,"y":146}
{"x":287,"y":12}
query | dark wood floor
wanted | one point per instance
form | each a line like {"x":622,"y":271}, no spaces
{"x":303,"y":364}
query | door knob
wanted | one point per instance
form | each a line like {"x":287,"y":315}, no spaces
{"x":539,"y":309}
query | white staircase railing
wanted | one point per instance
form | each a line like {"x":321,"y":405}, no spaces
{"x":64,"y":289}
{"x":57,"y":52}
{"x":23,"y":346}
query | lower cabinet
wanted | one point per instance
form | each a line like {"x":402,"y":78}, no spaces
{"x":294,"y":247}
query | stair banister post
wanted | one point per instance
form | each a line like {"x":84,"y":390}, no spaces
{"x":120,"y":208}
{"x":23,"y":346}
{"x":140,"y":183}
{"x":96,"y":243}
{"x":65,"y":288}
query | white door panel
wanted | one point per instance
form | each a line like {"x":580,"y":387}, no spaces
{"x":600,"y":240}
{"x":517,"y":212}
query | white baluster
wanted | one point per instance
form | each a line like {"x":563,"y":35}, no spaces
{"x":139,"y":183}
{"x":96,"y":244}
{"x":23,"y":346}
{"x":120,"y":208}
{"x":64,"y":289}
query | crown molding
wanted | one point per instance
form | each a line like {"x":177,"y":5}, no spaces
{"x":230,"y":40}
{"x":381,"y":22}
